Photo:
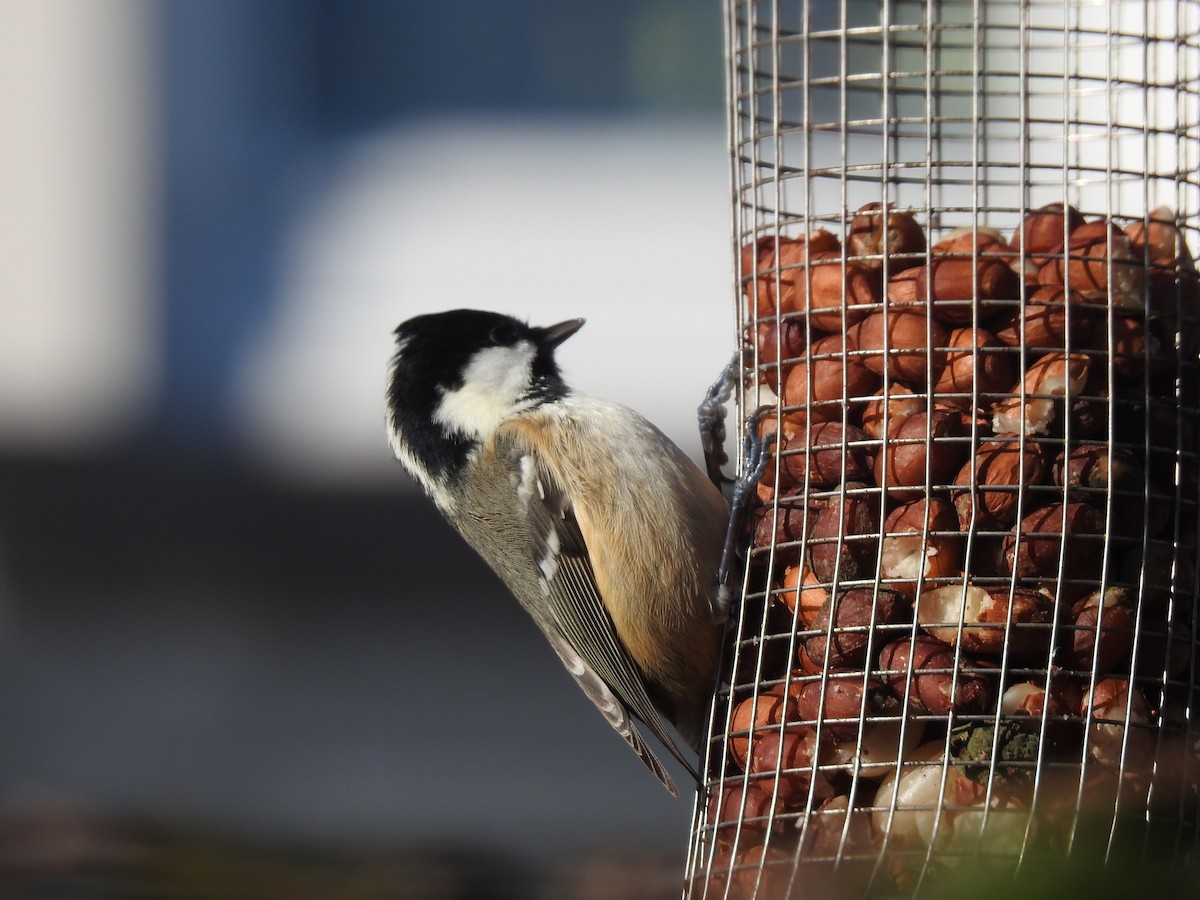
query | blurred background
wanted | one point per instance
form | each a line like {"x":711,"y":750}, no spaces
{"x":239,"y":654}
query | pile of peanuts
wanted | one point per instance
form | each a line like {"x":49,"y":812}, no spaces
{"x":975,"y":551}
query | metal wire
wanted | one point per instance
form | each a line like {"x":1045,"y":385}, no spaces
{"x":967,"y":633}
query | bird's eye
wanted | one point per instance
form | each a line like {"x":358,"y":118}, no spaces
{"x":503,"y":335}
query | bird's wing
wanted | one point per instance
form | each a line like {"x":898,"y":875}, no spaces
{"x":594,"y":652}
{"x":608,"y":704}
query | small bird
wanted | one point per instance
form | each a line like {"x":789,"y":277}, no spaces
{"x":604,"y":530}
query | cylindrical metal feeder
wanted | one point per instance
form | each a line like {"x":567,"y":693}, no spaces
{"x":966,"y":284}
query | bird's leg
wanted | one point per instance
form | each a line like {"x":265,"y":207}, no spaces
{"x":756,"y":453}
{"x":711,"y":417}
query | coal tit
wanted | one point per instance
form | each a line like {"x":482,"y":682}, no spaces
{"x":608,"y":534}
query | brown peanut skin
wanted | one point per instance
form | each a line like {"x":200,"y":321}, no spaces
{"x":786,"y":526}
{"x":929,"y":690}
{"x":843,"y":699}
{"x":1045,"y":322}
{"x":915,"y":344}
{"x":782,"y":528}
{"x":761,"y":257}
{"x":781,"y":429}
{"x":760,"y":870}
{"x":776,"y":754}
{"x":1120,"y":362}
{"x":854,"y":612}
{"x":1036,"y":554}
{"x":780,"y":346}
{"x":873,"y":236}
{"x":934,"y":518}
{"x":801,"y":585}
{"x":817,"y":387}
{"x":889,"y":413}
{"x":1124,"y":344}
{"x":1158,"y":240}
{"x":901,"y":467}
{"x":998,"y":468}
{"x":1094,"y":466}
{"x":842,"y":541}
{"x":793,"y":296}
{"x":829,"y":838}
{"x":758,"y":714}
{"x":1044,"y":231}
{"x":964,"y":242}
{"x":1025,"y":618}
{"x":1087,"y":263}
{"x":965,"y":289}
{"x":1028,"y":608}
{"x":735,"y":802}
{"x":977,"y":365}
{"x":818,"y":455}
{"x":840,"y":297}
{"x":932,"y":514}
{"x":1083,"y":646}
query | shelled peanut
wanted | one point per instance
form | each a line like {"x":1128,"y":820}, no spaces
{"x":975,"y":515}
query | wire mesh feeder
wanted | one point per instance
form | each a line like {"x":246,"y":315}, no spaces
{"x":967,"y":628}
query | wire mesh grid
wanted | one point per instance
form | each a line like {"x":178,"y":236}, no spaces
{"x":965,"y":284}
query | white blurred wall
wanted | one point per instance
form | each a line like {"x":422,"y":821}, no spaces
{"x":79,"y":349}
{"x":622,"y":221}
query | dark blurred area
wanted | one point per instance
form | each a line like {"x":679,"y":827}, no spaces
{"x":239,"y":655}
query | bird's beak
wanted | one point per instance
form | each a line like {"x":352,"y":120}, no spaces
{"x":553,"y":335}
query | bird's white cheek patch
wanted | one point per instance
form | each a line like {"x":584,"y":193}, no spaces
{"x":493,"y":383}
